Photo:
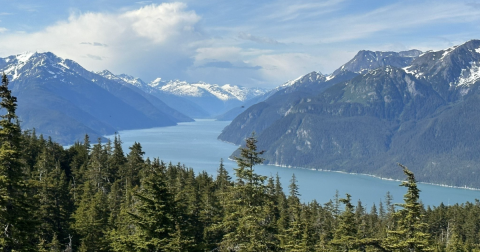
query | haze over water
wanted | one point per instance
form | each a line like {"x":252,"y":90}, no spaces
{"x":195,"y":144}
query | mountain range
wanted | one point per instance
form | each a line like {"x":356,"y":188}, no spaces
{"x":379,"y":109}
{"x":415,"y":108}
{"x":59,"y":98}
{"x":197,"y":100}
{"x":214,"y":99}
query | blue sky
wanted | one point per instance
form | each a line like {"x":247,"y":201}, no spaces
{"x":250,"y":43}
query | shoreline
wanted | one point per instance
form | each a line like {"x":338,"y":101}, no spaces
{"x":374,"y":176}
{"x":364,"y":174}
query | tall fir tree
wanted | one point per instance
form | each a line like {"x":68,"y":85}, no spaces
{"x":410,"y":233}
{"x":290,"y":238}
{"x":16,"y":214}
{"x":91,"y":219}
{"x":246,"y":223}
{"x":154,"y":214}
{"x":345,"y":238}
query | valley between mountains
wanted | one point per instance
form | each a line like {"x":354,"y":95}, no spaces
{"x":417,"y":108}
{"x":61,"y":99}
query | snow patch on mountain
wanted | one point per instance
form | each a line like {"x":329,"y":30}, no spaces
{"x":414,"y":72}
{"x":183,"y":88}
{"x":411,"y":86}
{"x":224,"y":93}
{"x":180,"y":88}
{"x":24,"y":57}
{"x":124,"y":79}
{"x":447,"y":51}
{"x":290,"y":82}
{"x":155,"y":83}
{"x":16,"y":64}
{"x":243,"y":93}
{"x":469,"y":76}
{"x":132,"y":80}
{"x":313,"y":76}
{"x":107,"y":74}
{"x":63,"y":65}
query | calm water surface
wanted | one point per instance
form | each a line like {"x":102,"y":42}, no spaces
{"x":195,"y":144}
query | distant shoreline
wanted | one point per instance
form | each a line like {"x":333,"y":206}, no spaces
{"x":374,"y":176}
{"x":364,"y":174}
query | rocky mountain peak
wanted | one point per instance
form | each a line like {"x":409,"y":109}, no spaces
{"x":366,"y":60}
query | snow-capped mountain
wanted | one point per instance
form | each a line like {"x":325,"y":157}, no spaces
{"x":197,"y":100}
{"x":380,"y":108}
{"x":224,"y":93}
{"x":123,"y":79}
{"x":366,"y":60}
{"x":213,"y":98}
{"x":454,"y":69}
{"x":180,"y":104}
{"x":30,"y":64}
{"x":61,"y":99}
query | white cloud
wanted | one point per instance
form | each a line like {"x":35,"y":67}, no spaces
{"x":282,"y":67}
{"x":162,"y":22}
{"x":139,"y":41}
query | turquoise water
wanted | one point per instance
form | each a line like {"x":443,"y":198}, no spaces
{"x":195,"y":144}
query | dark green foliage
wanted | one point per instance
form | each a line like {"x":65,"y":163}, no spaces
{"x":346,"y":232}
{"x":16,"y":209}
{"x":94,"y":198}
{"x":153,"y":214}
{"x":410,"y":231}
{"x":247,"y":218}
{"x":170,"y":208}
{"x":91,"y":219}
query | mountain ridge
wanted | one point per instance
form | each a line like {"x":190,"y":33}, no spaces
{"x":199,"y":100}
{"x":417,"y":115}
{"x":77,"y":101}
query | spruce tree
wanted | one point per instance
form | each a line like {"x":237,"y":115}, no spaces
{"x":210,"y":211}
{"x":16,"y":213}
{"x":290,"y":237}
{"x":117,"y":160}
{"x":97,"y":171}
{"x":153,"y":215}
{"x":54,"y":202}
{"x":246,"y":222}
{"x":410,"y":233}
{"x":130,"y":173}
{"x":91,"y":219}
{"x":345,"y":235}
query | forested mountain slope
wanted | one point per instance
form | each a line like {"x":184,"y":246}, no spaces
{"x":424,"y":115}
{"x":61,"y":99}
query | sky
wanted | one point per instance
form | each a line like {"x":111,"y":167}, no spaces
{"x":250,"y":43}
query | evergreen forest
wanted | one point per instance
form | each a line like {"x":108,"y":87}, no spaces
{"x":96,"y":197}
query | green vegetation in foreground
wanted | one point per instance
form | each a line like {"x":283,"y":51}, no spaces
{"x":96,"y":198}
